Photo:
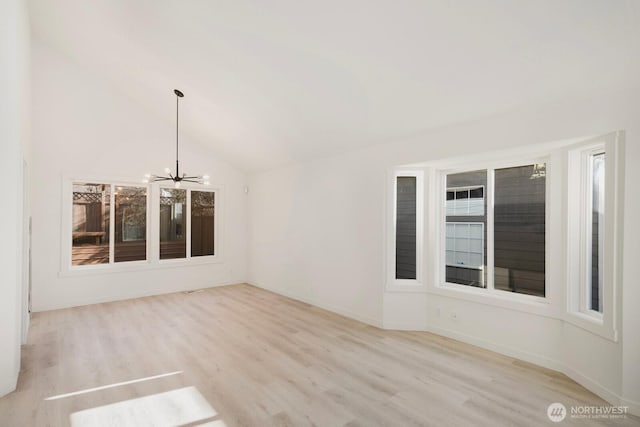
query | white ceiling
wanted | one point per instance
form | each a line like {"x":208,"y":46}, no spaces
{"x":273,"y":81}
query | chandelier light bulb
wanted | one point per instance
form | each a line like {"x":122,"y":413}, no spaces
{"x":206,"y":183}
{"x":177,"y":184}
{"x":205,"y":177}
{"x":167,"y":170}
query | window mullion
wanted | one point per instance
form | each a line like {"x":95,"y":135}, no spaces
{"x":112,"y":223}
{"x":188,"y":224}
{"x":490,"y":228}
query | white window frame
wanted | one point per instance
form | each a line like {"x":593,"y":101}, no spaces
{"x":406,"y":285}
{"x":187,"y":221}
{"x":153,"y":232}
{"x":67,"y":216}
{"x":586,"y":229}
{"x":578,"y":238}
{"x":489,"y":289}
{"x":563,"y":281}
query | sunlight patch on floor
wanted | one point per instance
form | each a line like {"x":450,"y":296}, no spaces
{"x":89,"y":390}
{"x":172,"y":408}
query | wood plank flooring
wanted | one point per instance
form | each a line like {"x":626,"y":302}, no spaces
{"x":260,"y":359}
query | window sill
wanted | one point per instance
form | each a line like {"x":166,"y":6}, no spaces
{"x":405,"y":286}
{"x":135,"y":266}
{"x":592,"y":324}
{"x":514,"y":302}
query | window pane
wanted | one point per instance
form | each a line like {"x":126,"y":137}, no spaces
{"x":202,"y":223}
{"x":597,"y":232}
{"x":476,"y":193}
{"x":465,"y":239}
{"x":463,"y":194}
{"x":130,"y":224}
{"x":90,"y":224}
{"x":406,"y":227}
{"x":173,"y":242}
{"x":519,"y":226}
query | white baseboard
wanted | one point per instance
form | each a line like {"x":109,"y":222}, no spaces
{"x":536,"y":359}
{"x":329,"y":307}
{"x":583,"y":380}
{"x":147,"y":293}
{"x":397,"y":326}
{"x":9,"y":386}
{"x":634,"y":407}
{"x":603,"y":392}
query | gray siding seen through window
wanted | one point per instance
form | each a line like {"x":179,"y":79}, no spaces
{"x":519,"y":229}
{"x":406,"y":227}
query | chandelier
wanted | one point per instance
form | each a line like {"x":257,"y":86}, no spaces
{"x":176,"y":178}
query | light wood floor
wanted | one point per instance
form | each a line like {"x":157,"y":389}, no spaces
{"x":260,"y":359}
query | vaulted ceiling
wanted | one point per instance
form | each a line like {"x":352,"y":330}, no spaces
{"x":274,"y":81}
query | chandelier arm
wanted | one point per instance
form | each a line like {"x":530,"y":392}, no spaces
{"x":162,"y":179}
{"x":190,"y":180}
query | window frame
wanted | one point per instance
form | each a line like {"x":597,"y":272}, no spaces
{"x":112,"y":224}
{"x":577,"y":233}
{"x":562,"y":205}
{"x":406,"y":285}
{"x":66,"y":269}
{"x":489,"y":193}
{"x":188,"y":257}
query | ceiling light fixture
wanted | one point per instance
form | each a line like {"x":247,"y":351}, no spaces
{"x":177,"y":178}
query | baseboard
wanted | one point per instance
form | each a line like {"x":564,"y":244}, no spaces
{"x":536,"y":359}
{"x":634,"y":407}
{"x":583,"y":380}
{"x":122,"y":297}
{"x":397,"y":326}
{"x":334,"y":309}
{"x":603,"y":392}
{"x":10,"y":385}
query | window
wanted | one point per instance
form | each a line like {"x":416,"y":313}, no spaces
{"x":98,"y":237}
{"x":496,"y":238}
{"x":130,"y":224}
{"x":519,"y":229}
{"x":465,"y":243}
{"x":406,"y":227}
{"x":90,"y":229}
{"x":173,"y":231}
{"x":202,"y":223}
{"x":589,"y":228}
{"x":179,"y":225}
{"x":595,"y":232}
{"x":110,"y":224}
{"x":405,"y":263}
{"x":537,"y":229}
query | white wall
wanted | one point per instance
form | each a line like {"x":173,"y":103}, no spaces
{"x":84,"y":127}
{"x":316,"y":233}
{"x":14,"y":148}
